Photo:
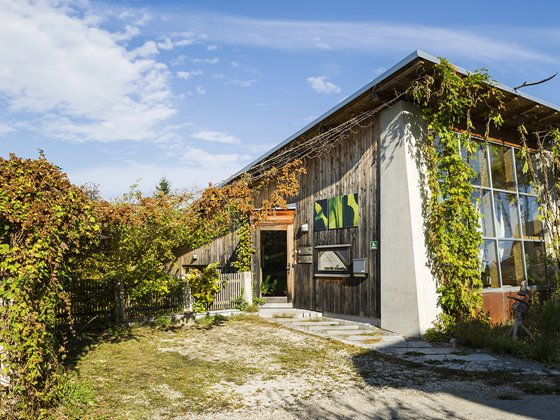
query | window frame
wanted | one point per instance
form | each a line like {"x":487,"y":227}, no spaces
{"x":518,"y":194}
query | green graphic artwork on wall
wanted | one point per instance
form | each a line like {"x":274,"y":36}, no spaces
{"x":350,"y":210}
{"x":336,"y":212}
{"x":320,"y":215}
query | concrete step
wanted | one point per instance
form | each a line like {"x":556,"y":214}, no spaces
{"x":277,"y":305}
{"x":287,"y":315}
{"x":276,"y":299}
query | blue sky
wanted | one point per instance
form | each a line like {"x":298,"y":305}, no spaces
{"x":118,"y":91}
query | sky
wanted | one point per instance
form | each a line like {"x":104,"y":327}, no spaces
{"x":120,"y":92}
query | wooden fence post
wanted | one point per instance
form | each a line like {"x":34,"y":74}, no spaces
{"x":120,"y":315}
{"x":247,"y":286}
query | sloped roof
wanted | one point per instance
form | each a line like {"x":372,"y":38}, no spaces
{"x":520,"y":107}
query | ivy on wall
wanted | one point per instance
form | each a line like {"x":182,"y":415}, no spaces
{"x":451,"y":220}
{"x":542,"y":163}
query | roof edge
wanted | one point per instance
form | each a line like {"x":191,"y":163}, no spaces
{"x":379,"y":79}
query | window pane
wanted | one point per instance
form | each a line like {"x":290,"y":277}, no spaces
{"x":535,"y":258}
{"x":523,"y":180}
{"x":478,"y":162}
{"x":484,"y":207}
{"x":489,"y":264}
{"x":507,"y":218}
{"x":511,"y":262}
{"x":532,"y":226}
{"x":501,"y":166}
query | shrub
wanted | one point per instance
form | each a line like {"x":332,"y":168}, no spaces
{"x":46,"y":224}
{"x":239,"y":302}
{"x":204,"y":285}
{"x":544,"y":322}
{"x":163,"y":323}
{"x":252,"y":308}
{"x":258,"y":301}
{"x":474,"y":333}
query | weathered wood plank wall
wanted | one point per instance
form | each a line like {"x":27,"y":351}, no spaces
{"x":348,"y":168}
{"x":220,"y":250}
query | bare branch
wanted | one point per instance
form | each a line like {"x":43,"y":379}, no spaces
{"x":535,"y":83}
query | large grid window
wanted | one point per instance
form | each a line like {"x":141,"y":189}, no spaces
{"x":513,"y":248}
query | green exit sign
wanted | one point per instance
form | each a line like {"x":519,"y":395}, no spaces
{"x":373,"y":245}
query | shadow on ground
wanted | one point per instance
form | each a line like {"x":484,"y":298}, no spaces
{"x":393,"y":388}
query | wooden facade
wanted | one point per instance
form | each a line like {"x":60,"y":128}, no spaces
{"x":350,"y":167}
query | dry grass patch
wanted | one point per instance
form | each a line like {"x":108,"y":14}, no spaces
{"x":215,"y":365}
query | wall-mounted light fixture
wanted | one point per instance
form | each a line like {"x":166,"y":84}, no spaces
{"x":194,"y":257}
{"x":304,"y":227}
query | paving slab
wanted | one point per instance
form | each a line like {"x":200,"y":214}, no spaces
{"x":313,"y":324}
{"x":337,"y":332}
{"x":362,"y":335}
{"x":332,"y":327}
{"x":422,"y":351}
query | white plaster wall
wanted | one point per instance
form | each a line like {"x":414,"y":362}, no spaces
{"x":408,"y":291}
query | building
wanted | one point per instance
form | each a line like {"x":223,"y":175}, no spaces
{"x":352,"y":241}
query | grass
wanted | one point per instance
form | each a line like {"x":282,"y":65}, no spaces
{"x":146,"y":372}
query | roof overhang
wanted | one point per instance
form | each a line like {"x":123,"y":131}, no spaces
{"x":520,"y":107}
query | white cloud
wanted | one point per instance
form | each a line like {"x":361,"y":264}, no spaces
{"x":490,"y":43}
{"x":236,"y":82}
{"x":210,"y":160}
{"x":129,"y":33}
{"x":189,"y":74}
{"x":194,"y":169}
{"x":213,"y":60}
{"x":215,"y":136}
{"x":212,"y":47}
{"x":321,"y":84}
{"x":320,"y":44}
{"x":5,"y":129}
{"x":183,"y":39}
{"x":200,"y":90}
{"x":148,"y":49}
{"x":78,"y":80}
{"x":166,"y":44}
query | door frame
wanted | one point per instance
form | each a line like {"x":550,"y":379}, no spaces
{"x":282,"y":220}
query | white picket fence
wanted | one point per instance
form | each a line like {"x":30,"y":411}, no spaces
{"x":235,"y":285}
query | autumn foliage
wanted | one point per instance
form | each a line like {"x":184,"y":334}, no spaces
{"x":52,"y":233}
{"x":46,"y":223}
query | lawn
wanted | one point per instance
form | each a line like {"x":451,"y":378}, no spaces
{"x":245,"y":367}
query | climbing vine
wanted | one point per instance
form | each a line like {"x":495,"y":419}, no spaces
{"x":221,"y":210}
{"x":542,"y":163}
{"x":45,"y":225}
{"x":244,"y":249}
{"x":451,"y":219}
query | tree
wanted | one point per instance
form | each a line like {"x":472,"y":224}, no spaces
{"x":163,"y":187}
{"x":135,"y":249}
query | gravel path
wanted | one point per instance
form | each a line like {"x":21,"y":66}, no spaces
{"x":303,"y":376}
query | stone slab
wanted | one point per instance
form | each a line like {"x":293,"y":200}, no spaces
{"x":332,"y":327}
{"x":364,"y":337}
{"x":310,"y":324}
{"x":329,"y":333}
